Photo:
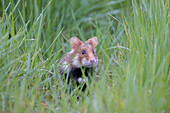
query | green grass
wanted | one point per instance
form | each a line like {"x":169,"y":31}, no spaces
{"x":133,"y":51}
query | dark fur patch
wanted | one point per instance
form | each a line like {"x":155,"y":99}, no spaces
{"x":76,"y":73}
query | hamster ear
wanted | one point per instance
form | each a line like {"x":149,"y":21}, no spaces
{"x":92,"y":41}
{"x":75,"y":42}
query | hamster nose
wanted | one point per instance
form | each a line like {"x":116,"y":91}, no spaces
{"x":91,"y":60}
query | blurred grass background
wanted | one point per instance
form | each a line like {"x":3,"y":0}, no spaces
{"x":133,"y":51}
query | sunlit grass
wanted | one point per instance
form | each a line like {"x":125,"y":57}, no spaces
{"x":133,"y":51}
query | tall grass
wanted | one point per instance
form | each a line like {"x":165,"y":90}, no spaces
{"x":133,"y":51}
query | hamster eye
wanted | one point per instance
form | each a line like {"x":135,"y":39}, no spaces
{"x":93,"y":51}
{"x":83,"y":52}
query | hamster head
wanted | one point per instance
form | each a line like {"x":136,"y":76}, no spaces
{"x":84,"y":53}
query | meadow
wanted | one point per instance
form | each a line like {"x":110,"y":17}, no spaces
{"x":133,"y":50}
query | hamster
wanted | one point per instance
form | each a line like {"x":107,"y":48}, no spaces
{"x":81,"y":57}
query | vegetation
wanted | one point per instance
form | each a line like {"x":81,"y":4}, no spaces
{"x":133,"y":51}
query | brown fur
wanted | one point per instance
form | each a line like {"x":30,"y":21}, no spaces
{"x":75,"y":58}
